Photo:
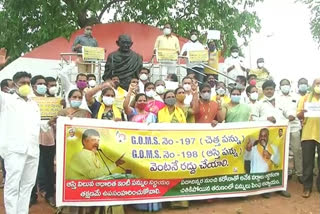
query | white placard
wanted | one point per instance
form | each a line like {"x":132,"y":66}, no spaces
{"x":213,"y":34}
{"x":313,"y":109}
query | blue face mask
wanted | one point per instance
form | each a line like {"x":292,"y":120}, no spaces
{"x":303,"y":87}
{"x":75,"y":103}
{"x":41,"y":89}
{"x":235,"y":98}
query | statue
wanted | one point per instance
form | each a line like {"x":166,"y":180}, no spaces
{"x":124,"y":62}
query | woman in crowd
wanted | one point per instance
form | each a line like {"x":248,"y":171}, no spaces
{"x":105,"y":109}
{"x":234,"y":111}
{"x":140,"y":115}
{"x":171,"y":113}
{"x":204,"y":109}
{"x":75,"y":100}
{"x":221,"y":94}
{"x":188,"y":111}
{"x":152,"y":105}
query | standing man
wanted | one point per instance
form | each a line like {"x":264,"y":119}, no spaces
{"x":261,"y":73}
{"x":310,"y":139}
{"x":84,"y":40}
{"x":19,"y":144}
{"x":214,"y":57}
{"x":303,"y":86}
{"x":194,"y":45}
{"x":143,"y":78}
{"x":289,"y":104}
{"x":167,"y":41}
{"x":234,"y":65}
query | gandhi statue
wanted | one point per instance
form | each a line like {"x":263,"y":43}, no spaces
{"x":124,"y":62}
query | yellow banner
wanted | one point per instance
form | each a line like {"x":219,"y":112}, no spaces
{"x":92,"y":53}
{"x":49,"y":106}
{"x":173,"y":161}
{"x":198,"y":56}
{"x":167,"y":55}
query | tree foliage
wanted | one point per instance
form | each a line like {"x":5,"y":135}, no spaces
{"x":314,"y":6}
{"x":28,"y":24}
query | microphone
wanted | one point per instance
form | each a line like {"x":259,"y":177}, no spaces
{"x":127,"y":171}
{"x":104,"y":162}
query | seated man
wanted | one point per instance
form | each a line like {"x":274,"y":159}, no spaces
{"x":124,"y":62}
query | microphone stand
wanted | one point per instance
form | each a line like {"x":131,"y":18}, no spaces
{"x":127,"y":171}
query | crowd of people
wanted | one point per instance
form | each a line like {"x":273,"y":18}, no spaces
{"x":200,"y":97}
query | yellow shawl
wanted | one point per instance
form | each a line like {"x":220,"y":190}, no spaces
{"x":165,"y":117}
{"x":116,"y":111}
{"x":270,"y":150}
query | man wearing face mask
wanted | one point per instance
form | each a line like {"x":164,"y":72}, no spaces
{"x":45,"y":175}
{"x":269,"y":109}
{"x":234,"y":65}
{"x":124,"y":62}
{"x":167,"y":41}
{"x":303,"y":87}
{"x":261,"y":73}
{"x":143,"y":78}
{"x":52,"y":87}
{"x":160,"y":90}
{"x":289,"y":104}
{"x":193,"y":45}
{"x":310,"y":139}
{"x":212,"y":82}
{"x":84,"y":40}
{"x":19,"y":114}
{"x":214,"y":57}
{"x":81,"y":84}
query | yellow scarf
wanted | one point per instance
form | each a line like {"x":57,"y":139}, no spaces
{"x":165,"y":117}
{"x":270,"y":150}
{"x":116,"y":112}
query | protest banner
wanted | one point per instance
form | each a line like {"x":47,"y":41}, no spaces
{"x":49,"y":106}
{"x":140,"y":163}
{"x":92,"y":54}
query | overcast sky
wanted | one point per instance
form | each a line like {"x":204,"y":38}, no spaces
{"x":291,"y":51}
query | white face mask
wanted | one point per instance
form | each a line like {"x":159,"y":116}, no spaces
{"x":92,"y":83}
{"x":254,"y":96}
{"x":221,"y":91}
{"x":160,"y":89}
{"x":143,"y":77}
{"x":205,"y":96}
{"x":150,"y":93}
{"x":187,"y":87}
{"x":234,"y":54}
{"x":53,"y":90}
{"x":166,"y":31}
{"x":270,"y":98}
{"x":108,"y":101}
{"x":260,"y":64}
{"x":193,"y":38}
{"x":285,"y":89}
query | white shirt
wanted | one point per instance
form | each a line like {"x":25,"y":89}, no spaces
{"x":192,"y":46}
{"x":258,"y":164}
{"x":187,"y":101}
{"x":20,"y":125}
{"x":67,"y":86}
{"x":237,"y":71}
{"x":265,"y":109}
{"x":289,"y":104}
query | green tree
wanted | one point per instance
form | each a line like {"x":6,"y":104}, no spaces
{"x":28,"y":24}
{"x":314,"y":7}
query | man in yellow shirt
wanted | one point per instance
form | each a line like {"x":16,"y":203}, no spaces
{"x":221,"y":94}
{"x":310,"y":139}
{"x":167,"y":41}
{"x":214,"y":57}
{"x":261,"y":73}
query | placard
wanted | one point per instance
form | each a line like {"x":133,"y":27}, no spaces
{"x":313,"y":109}
{"x":49,"y":106}
{"x":198,"y":56}
{"x":92,"y":53}
{"x":167,"y":55}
